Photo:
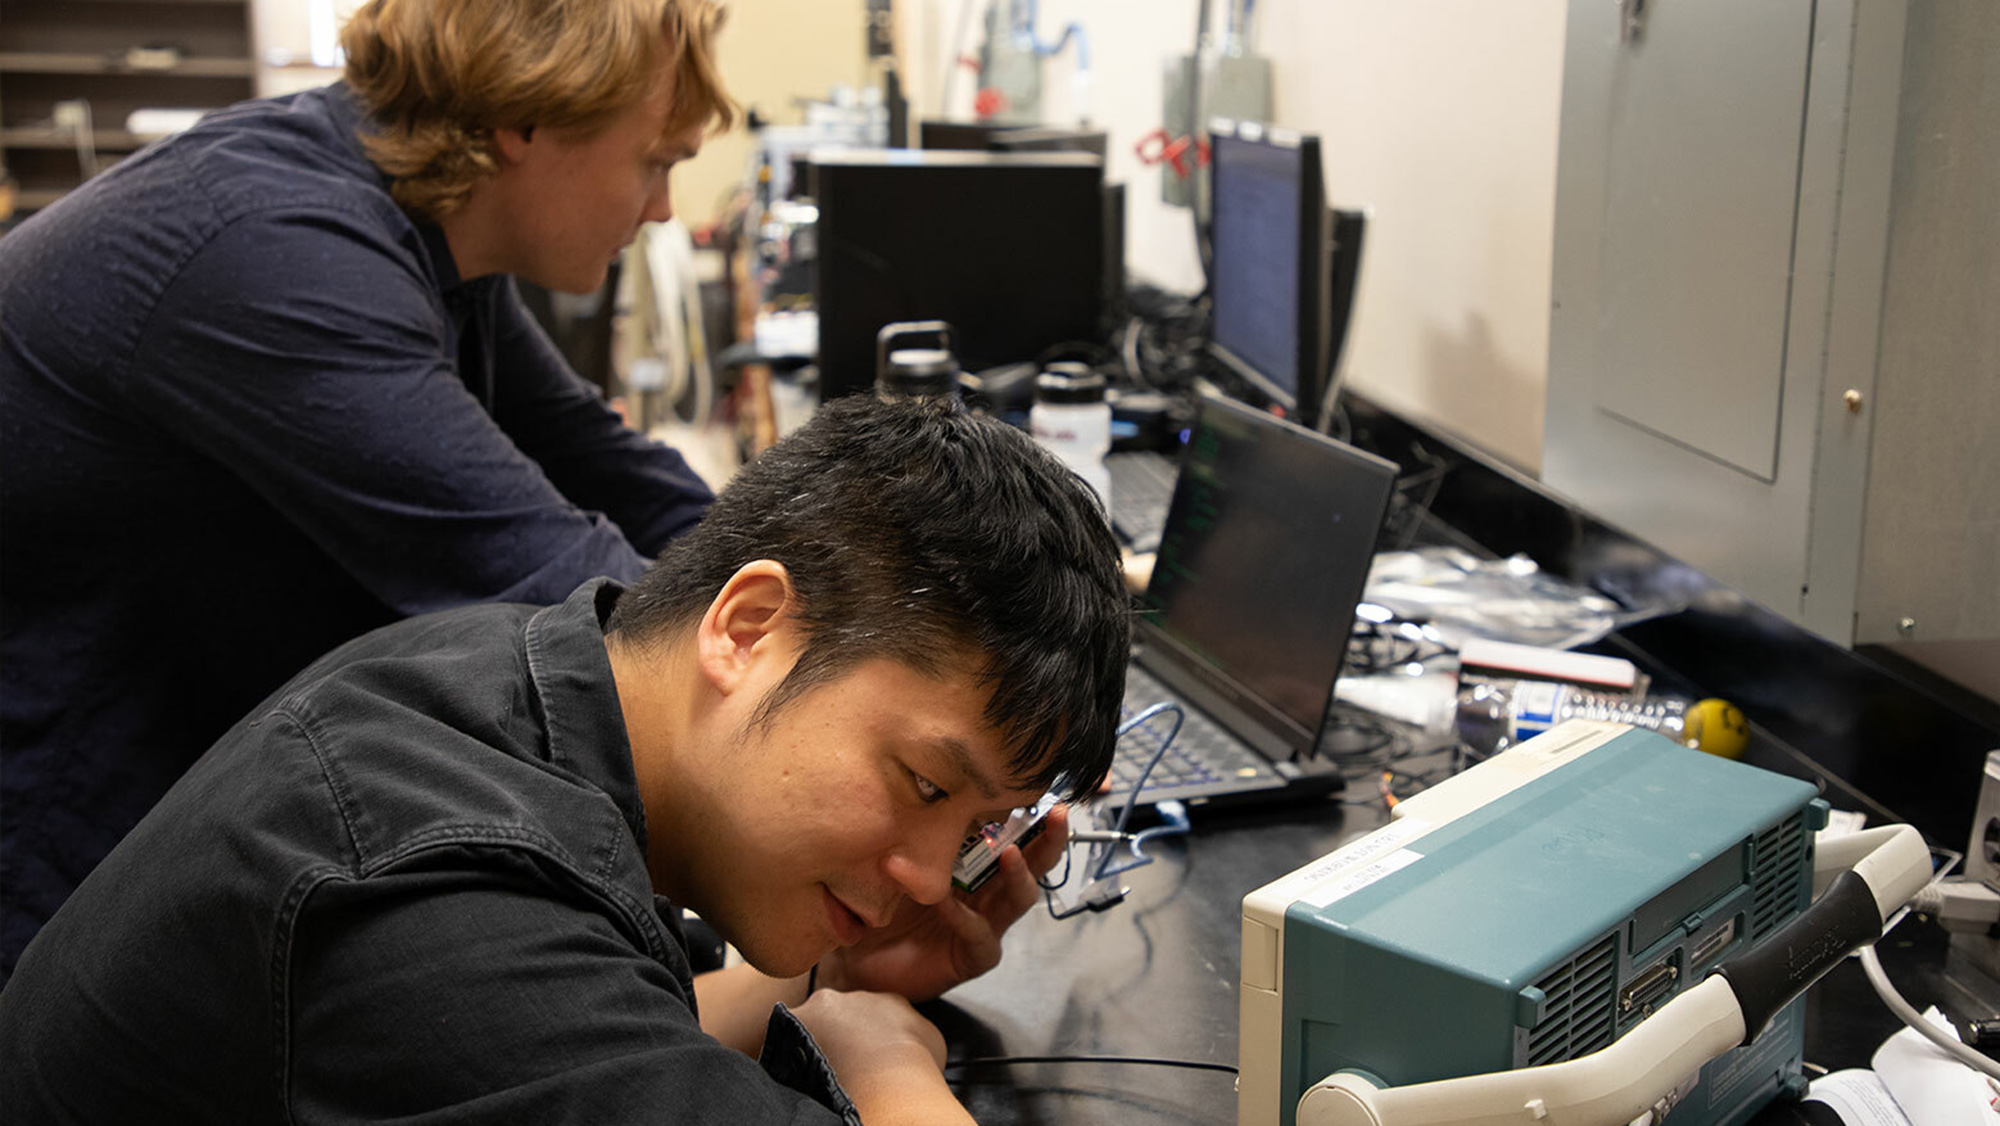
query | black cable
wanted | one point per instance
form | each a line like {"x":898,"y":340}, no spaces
{"x":1373,"y":648}
{"x":1141,"y":1061}
{"x":1384,"y":744}
{"x":1172,"y":339}
{"x":1333,"y":418}
{"x":1412,"y":513}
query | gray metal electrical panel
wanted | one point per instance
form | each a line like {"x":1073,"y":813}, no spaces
{"x":1775,"y":334}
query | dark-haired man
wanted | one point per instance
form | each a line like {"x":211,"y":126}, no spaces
{"x":417,"y":883}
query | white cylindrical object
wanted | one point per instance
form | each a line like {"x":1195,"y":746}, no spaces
{"x":1072,"y":420}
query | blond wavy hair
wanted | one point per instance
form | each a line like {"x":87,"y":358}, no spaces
{"x":438,"y":77}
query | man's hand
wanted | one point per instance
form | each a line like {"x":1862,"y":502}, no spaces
{"x":927,"y":950}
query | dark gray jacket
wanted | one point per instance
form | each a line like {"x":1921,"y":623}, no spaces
{"x":410,"y":886}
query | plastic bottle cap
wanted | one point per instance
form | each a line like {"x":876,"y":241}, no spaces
{"x":1068,"y":382}
{"x":920,"y":371}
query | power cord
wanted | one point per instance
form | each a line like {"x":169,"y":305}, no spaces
{"x":1960,"y":904}
{"x":1871,"y":964}
{"x":1144,"y":1061}
{"x":1406,"y":514}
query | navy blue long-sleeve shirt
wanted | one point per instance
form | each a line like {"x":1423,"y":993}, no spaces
{"x":248,"y":410}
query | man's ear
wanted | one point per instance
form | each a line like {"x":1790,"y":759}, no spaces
{"x":511,"y":145}
{"x":749,"y":625}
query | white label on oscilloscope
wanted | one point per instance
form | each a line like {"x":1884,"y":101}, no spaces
{"x":1355,"y":881}
{"x":1316,"y":883}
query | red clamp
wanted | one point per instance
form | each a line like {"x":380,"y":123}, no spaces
{"x":1156,"y":148}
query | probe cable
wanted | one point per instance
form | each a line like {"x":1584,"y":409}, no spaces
{"x":1175,"y":823}
{"x":1174,"y":813}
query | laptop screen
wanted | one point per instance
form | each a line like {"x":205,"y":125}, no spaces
{"x":1265,"y":553}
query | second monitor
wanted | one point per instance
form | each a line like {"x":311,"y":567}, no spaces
{"x":1008,"y":248}
{"x":1282,"y":263}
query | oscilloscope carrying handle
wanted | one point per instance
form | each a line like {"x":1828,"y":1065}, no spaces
{"x":1867,"y":877}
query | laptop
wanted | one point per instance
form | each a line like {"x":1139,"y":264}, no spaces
{"x":1245,"y":621}
{"x":1142,"y":486}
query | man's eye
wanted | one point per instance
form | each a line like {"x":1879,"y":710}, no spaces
{"x":928,"y":790}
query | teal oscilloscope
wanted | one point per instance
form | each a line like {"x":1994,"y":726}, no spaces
{"x":1540,"y":908}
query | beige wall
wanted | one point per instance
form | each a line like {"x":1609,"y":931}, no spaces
{"x":287,"y":33}
{"x":772,"y":53}
{"x":1439,"y":118}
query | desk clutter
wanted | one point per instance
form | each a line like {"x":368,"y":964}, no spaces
{"x":1601,"y":908}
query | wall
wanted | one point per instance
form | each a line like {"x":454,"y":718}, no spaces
{"x":1439,"y":118}
{"x":296,"y":42}
{"x":772,"y":53}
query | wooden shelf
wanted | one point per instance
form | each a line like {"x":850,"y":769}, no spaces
{"x":35,"y":62}
{"x":99,"y":51}
{"x":102,"y":139}
{"x":31,"y":199}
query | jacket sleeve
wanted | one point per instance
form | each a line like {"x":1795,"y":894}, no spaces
{"x":478,"y":998}
{"x":311,"y":357}
{"x":588,"y":452}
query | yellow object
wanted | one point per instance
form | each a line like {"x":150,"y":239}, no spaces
{"x":1718,"y":727}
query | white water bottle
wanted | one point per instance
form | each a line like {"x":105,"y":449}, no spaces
{"x":1072,"y":420}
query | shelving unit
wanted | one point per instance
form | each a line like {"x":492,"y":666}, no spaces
{"x":118,"y":56}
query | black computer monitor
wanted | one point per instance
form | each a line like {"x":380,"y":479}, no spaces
{"x":988,"y":136}
{"x":1268,"y":282}
{"x":963,"y":136}
{"x":1051,"y":138}
{"x":1007,"y":248}
{"x":994,"y":136}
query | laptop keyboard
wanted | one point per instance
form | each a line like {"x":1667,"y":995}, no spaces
{"x":1142,"y":486}
{"x":1204,"y":761}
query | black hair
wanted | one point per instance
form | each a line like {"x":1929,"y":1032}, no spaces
{"x":918,"y":531}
